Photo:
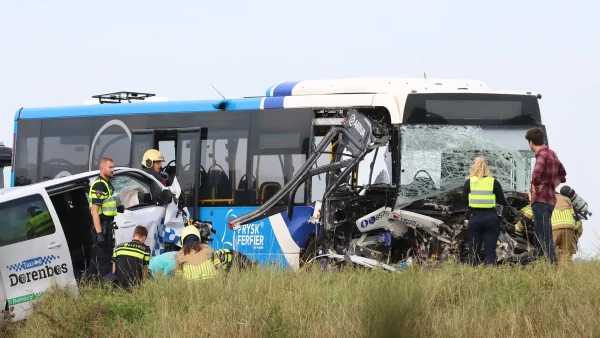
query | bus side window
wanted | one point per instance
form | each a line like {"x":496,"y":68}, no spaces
{"x":268,"y":169}
{"x":272,"y":172}
{"x":279,"y":147}
{"x":223,"y":178}
{"x":113,"y":143}
{"x":65,"y":146}
{"x":23,"y":219}
{"x":26,"y":152}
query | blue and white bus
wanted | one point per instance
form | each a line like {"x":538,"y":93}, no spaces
{"x":230,"y":156}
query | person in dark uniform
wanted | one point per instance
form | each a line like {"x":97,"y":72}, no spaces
{"x":152,"y":162}
{"x":481,"y":192}
{"x":130,"y":260}
{"x":103,"y":208}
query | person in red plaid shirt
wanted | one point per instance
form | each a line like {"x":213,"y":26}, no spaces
{"x":548,"y":173}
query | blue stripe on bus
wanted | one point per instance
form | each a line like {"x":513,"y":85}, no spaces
{"x":138,"y":108}
{"x":285,"y":88}
{"x":274,"y":102}
{"x":268,"y":94}
{"x":14,"y":150}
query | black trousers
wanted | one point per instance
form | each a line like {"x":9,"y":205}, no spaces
{"x":101,"y":258}
{"x":483,"y":228}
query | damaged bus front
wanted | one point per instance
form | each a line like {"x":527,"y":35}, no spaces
{"x":413,"y":210}
{"x":439,"y":139}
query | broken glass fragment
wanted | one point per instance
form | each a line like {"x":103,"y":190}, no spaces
{"x":436,"y":159}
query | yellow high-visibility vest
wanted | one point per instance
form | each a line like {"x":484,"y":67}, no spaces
{"x":563,"y":217}
{"x":109,"y":204}
{"x":482,"y":192}
{"x":40,"y":225}
{"x":203,"y":271}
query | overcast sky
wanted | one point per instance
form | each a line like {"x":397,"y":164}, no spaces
{"x":62,"y":52}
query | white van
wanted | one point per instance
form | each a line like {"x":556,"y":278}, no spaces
{"x":28,"y":266}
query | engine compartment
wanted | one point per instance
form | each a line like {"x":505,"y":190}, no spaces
{"x":433,"y":228}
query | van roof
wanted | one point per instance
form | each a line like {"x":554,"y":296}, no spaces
{"x":67,"y":179}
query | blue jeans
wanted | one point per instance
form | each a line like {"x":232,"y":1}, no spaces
{"x":483,"y":228}
{"x":542,"y":213}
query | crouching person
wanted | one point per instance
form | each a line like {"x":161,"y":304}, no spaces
{"x":130,"y":260}
{"x":564,"y":228}
{"x":233,"y":259}
{"x":526,"y":221}
{"x":195,"y":260}
{"x":163,"y":264}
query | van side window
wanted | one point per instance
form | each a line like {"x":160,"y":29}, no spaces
{"x":23,"y":219}
{"x":123,"y":181}
{"x":128,"y":189}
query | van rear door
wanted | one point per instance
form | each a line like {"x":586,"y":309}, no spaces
{"x":33,"y":249}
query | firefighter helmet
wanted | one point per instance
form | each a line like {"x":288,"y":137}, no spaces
{"x":151,"y":156}
{"x":188,"y":230}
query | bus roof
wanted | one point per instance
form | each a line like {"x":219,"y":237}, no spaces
{"x":372,"y":85}
{"x":388,"y":92}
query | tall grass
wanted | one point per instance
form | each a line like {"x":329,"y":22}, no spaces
{"x":456,"y":301}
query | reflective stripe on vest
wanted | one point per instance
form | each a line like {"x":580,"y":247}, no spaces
{"x":482,"y":192}
{"x":109,"y":204}
{"x":40,"y":225}
{"x":563,"y":217}
{"x":203,"y":271}
{"x":224,"y":257}
{"x":527,"y":212}
{"x":519,"y":227}
{"x":132,"y":250}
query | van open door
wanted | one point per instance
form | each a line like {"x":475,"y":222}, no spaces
{"x":33,"y":249}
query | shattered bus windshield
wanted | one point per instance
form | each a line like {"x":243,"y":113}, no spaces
{"x":436,"y":159}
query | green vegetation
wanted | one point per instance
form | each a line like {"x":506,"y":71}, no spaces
{"x":454,"y":301}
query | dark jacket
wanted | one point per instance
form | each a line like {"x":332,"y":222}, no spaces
{"x":158,"y":176}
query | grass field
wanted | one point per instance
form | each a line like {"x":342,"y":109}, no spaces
{"x":456,"y":301}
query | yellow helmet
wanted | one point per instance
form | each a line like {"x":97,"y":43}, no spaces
{"x":188,"y":230}
{"x":151,"y":156}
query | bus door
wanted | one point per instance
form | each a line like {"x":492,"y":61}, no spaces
{"x":164,"y":140}
{"x":141,"y":141}
{"x":188,"y":165}
{"x":181,"y":150}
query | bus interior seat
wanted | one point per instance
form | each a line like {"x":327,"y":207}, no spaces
{"x":218,"y":179}
{"x":204,"y":193}
{"x":76,"y":220}
{"x":240,"y":193}
{"x":267,"y":190}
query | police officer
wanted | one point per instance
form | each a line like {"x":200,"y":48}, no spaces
{"x":152,"y":162}
{"x":103,"y":207}
{"x":481,"y":192}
